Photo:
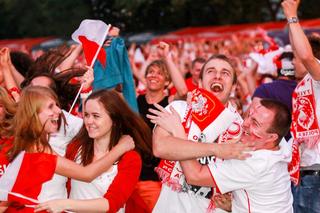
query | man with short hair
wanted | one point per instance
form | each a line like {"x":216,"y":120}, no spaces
{"x":260,"y":183}
{"x":217,"y":77}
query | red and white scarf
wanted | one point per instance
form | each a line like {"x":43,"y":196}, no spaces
{"x":304,"y":127}
{"x":203,"y":110}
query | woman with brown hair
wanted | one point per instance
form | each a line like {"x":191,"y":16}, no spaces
{"x":38,"y":116}
{"x":106,"y":119}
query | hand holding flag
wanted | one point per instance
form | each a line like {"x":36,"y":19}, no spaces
{"x":91,"y":34}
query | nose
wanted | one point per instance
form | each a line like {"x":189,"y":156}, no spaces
{"x":217,"y":75}
{"x":57,"y":110}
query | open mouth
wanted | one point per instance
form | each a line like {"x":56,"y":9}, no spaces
{"x":216,"y":87}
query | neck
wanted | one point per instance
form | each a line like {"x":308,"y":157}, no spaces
{"x":101,"y":145}
{"x":154,"y":96}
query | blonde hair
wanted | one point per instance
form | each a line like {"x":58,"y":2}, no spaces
{"x":29,"y":133}
{"x":10,"y":107}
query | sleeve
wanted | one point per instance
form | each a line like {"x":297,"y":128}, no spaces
{"x":230,"y":175}
{"x":129,"y":168}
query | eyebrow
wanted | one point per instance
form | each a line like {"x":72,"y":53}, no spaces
{"x":256,"y":121}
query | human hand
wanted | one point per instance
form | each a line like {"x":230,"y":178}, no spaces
{"x":168,"y":120}
{"x":290,"y":8}
{"x":88,"y":78}
{"x":223,"y":201}
{"x":126,"y":143}
{"x":53,"y":206}
{"x":238,"y":150}
{"x":163,"y":49}
{"x":5,"y":59}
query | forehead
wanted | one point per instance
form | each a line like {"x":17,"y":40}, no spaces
{"x":261,"y":114}
{"x":218,"y":64}
{"x":94,"y":105}
{"x":154,"y":68}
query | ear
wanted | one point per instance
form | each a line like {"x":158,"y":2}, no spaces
{"x":273,"y":137}
{"x":166,"y":84}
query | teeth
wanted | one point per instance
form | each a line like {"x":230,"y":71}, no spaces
{"x":216,"y":87}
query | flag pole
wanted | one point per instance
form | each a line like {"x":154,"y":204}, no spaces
{"x":91,"y":65}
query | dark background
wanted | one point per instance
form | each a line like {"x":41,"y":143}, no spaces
{"x":34,"y":18}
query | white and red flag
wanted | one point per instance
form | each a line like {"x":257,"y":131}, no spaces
{"x":91,"y":34}
{"x":24,"y":176}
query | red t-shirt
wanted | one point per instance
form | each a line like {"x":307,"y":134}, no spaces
{"x":5,"y":146}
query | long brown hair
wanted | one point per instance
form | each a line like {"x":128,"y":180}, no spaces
{"x":124,"y":122}
{"x":29,"y":133}
{"x":10,"y":107}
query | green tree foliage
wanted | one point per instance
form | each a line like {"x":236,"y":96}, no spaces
{"x":31,"y":18}
{"x":27,"y":18}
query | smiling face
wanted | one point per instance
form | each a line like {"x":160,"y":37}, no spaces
{"x":217,"y":77}
{"x":49,"y":115}
{"x":156,"y":78}
{"x":256,"y":125}
{"x":96,"y":120}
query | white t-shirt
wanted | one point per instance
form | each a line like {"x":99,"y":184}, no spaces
{"x":95,"y":189}
{"x":56,"y":187}
{"x":192,"y":200}
{"x":310,"y":157}
{"x":260,"y":183}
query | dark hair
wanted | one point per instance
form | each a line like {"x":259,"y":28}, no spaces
{"x":198,"y":60}
{"x":223,"y":58}
{"x":315,"y":45}
{"x":46,"y":65}
{"x":282,"y":118}
{"x":21,"y":61}
{"x":124,"y":122}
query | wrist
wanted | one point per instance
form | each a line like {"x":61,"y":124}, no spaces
{"x":292,"y":19}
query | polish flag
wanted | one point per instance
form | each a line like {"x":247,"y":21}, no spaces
{"x":24,"y":176}
{"x":91,"y":34}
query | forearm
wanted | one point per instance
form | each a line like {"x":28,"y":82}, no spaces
{"x":69,"y":61}
{"x":89,"y":172}
{"x":177,"y":78}
{"x":16,"y":75}
{"x":92,"y":205}
{"x":173,"y":148}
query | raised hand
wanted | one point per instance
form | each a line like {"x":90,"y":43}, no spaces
{"x":290,"y":7}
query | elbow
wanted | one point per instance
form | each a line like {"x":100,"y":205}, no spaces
{"x":88,"y":177}
{"x":306,"y":58}
{"x":157,"y":149}
{"x":192,"y":179}
{"x":183,"y":93}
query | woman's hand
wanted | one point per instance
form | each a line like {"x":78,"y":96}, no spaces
{"x":87,"y":78}
{"x":126,"y":143}
{"x":53,"y":206}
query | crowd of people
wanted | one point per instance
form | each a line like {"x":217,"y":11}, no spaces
{"x":210,"y":126}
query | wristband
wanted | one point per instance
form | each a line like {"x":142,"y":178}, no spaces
{"x":13,"y":89}
{"x":87,"y":90}
{"x":293,"y":20}
{"x":85,"y":95}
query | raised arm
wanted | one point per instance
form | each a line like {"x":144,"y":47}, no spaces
{"x":176,"y":76}
{"x":9,"y":80}
{"x":299,"y":40}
